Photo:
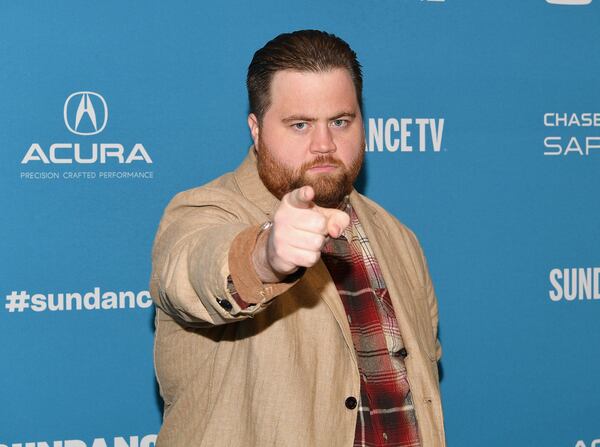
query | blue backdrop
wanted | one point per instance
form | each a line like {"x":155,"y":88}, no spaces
{"x":483,"y":136}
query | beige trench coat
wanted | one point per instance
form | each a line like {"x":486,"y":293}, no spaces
{"x":277,"y":373}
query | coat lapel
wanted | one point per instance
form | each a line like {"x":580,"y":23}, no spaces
{"x":392,"y":262}
{"x":318,"y":278}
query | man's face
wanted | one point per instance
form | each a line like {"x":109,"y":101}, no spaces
{"x":312,"y":134}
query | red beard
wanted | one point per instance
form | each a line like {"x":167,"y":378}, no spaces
{"x":330,"y":188}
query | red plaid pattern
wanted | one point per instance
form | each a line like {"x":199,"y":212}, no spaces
{"x":386,"y":415}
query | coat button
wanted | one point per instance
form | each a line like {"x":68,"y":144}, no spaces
{"x":225,"y":305}
{"x":351,"y":403}
{"x":400,"y":353}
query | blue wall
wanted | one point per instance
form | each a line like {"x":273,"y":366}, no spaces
{"x":508,"y":227}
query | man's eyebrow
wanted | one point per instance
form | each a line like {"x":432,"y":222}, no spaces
{"x":341,"y":114}
{"x":311,"y":119}
{"x":298,"y":118}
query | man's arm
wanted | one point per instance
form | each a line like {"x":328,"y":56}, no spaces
{"x":200,"y":250}
{"x":190,"y":267}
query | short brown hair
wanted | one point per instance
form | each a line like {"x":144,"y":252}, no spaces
{"x":304,"y":50}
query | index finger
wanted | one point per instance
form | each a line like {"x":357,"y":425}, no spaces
{"x":301,"y":197}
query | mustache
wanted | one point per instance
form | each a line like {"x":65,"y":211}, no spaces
{"x":321,"y":160}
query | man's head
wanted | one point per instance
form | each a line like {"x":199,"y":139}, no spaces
{"x":305,"y":92}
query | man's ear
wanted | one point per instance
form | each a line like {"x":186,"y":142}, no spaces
{"x":253,"y":125}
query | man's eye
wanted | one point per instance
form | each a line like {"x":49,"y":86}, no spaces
{"x":339,"y":123}
{"x":299,"y":126}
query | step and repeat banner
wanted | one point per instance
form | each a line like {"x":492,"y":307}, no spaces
{"x":483,"y":136}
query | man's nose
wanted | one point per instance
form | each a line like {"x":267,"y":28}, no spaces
{"x":322,"y":141}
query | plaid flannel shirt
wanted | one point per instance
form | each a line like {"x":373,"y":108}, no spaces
{"x":386,"y":415}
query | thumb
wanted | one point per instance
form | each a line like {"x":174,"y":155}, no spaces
{"x":337,"y":220}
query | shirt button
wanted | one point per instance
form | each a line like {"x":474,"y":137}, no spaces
{"x":351,"y":403}
{"x":225,"y":305}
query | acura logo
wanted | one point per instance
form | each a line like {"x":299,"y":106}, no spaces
{"x":85,"y":110}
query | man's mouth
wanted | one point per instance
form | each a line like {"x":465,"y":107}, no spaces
{"x":323,"y":168}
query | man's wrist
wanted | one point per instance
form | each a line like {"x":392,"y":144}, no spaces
{"x":260,"y":258}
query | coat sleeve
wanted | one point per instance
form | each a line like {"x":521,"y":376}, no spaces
{"x":433,"y":308}
{"x":429,"y":292}
{"x":191,"y":259}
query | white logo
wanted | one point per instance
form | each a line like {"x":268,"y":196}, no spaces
{"x":405,"y":134}
{"x":85,"y":109}
{"x":569,"y":2}
{"x":119,"y":441}
{"x":85,"y":113}
{"x":572,"y":126}
{"x":594,"y":443}
{"x":20,"y":301}
{"x":570,"y":284}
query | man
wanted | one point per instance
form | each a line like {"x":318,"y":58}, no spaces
{"x":291,"y":310}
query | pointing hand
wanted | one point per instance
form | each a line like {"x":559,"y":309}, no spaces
{"x":299,"y":231}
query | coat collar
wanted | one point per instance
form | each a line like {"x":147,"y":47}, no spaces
{"x":252,"y":187}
